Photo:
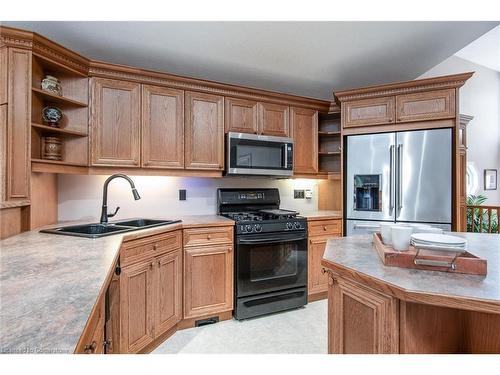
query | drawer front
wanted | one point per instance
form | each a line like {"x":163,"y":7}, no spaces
{"x":377,"y":111}
{"x":208,"y":236}
{"x":433,"y":105}
{"x":325,"y":228}
{"x":139,"y":250}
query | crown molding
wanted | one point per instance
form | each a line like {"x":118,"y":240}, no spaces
{"x":39,"y":45}
{"x":114,"y":71}
{"x":435,"y":83}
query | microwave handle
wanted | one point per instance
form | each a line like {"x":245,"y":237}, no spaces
{"x":285,"y":155}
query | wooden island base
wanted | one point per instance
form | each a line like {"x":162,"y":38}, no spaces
{"x":374,"y":308}
{"x":365,"y":320}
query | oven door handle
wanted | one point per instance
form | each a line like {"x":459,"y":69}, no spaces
{"x":243,"y":241}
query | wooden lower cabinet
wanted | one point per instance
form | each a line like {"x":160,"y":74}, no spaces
{"x":92,"y":340}
{"x":208,"y":271}
{"x":150,"y":297}
{"x":361,"y":320}
{"x":317,"y":280}
{"x":208,"y":280}
{"x":318,"y":234}
{"x":168,"y":285}
{"x":136,"y":306}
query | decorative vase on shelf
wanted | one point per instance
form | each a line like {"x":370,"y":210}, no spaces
{"x":51,"y":148}
{"x":52,"y":85}
{"x":52,"y":116}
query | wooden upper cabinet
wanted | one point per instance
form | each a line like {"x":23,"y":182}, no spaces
{"x":429,"y":105}
{"x":304,"y":124}
{"x":115,"y":123}
{"x":17,"y":130}
{"x":273,"y":119}
{"x":162,"y":127}
{"x":168,"y":301}
{"x":137,"y":310}
{"x":204,"y":128}
{"x":240,"y":116}
{"x":377,"y":111}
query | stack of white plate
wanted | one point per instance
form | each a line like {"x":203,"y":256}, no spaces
{"x":442,"y":242}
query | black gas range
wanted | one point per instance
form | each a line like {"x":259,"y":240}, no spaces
{"x":270,"y":252}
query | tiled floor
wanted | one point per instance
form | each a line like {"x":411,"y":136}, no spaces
{"x":302,"y":330}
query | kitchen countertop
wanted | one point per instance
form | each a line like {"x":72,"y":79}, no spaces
{"x":356,"y":258}
{"x":49,"y":283}
{"x":321,"y":215}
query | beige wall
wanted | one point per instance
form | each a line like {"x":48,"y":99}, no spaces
{"x":479,"y":97}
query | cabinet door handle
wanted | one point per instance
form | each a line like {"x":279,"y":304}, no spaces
{"x":151,"y":265}
{"x":90,"y":348}
{"x":159,"y":263}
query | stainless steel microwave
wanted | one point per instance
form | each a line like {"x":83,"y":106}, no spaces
{"x":252,"y":154}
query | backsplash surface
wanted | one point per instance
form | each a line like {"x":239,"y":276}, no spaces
{"x":80,"y":197}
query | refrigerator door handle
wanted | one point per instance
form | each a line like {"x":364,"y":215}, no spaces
{"x":400,"y":178}
{"x":391,"y":178}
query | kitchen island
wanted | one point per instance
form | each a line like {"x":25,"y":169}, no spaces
{"x":373,"y":308}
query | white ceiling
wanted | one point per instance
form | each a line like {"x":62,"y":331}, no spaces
{"x":484,"y":50}
{"x":304,"y":58}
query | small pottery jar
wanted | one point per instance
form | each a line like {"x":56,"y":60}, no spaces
{"x":52,"y":85}
{"x":51,"y":115}
{"x":52,"y":148}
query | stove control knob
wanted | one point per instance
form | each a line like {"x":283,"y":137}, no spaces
{"x":297,"y":225}
{"x":289,"y":226}
{"x":249,"y":228}
{"x":258,"y":228}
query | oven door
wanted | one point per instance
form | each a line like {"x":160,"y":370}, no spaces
{"x":266,"y":263}
{"x":251,"y":154}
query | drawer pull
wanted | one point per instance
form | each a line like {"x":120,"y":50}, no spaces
{"x":325,"y":228}
{"x":155,"y":246}
{"x":209,"y":237}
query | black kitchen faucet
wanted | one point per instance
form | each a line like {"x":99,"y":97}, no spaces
{"x":104,"y":211}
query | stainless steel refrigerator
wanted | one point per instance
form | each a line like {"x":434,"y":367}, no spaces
{"x":398,"y":177}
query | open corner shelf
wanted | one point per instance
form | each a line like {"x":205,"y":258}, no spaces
{"x":329,"y":145}
{"x":73,"y":126}
{"x":53,"y":98}
{"x":61,"y":131}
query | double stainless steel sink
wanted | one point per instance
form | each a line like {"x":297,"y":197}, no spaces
{"x":96,"y":230}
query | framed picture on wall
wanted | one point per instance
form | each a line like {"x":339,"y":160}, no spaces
{"x":490,"y":179}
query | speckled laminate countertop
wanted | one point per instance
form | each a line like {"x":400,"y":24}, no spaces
{"x":49,"y":284}
{"x":321,"y":215}
{"x":355,"y":258}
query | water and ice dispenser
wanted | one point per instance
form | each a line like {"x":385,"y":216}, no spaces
{"x":367,"y":192}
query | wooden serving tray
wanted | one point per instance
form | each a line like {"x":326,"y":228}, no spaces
{"x":430,"y":260}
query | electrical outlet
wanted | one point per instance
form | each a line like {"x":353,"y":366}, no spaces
{"x":309,"y":194}
{"x":298,"y":194}
{"x":182,"y":194}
